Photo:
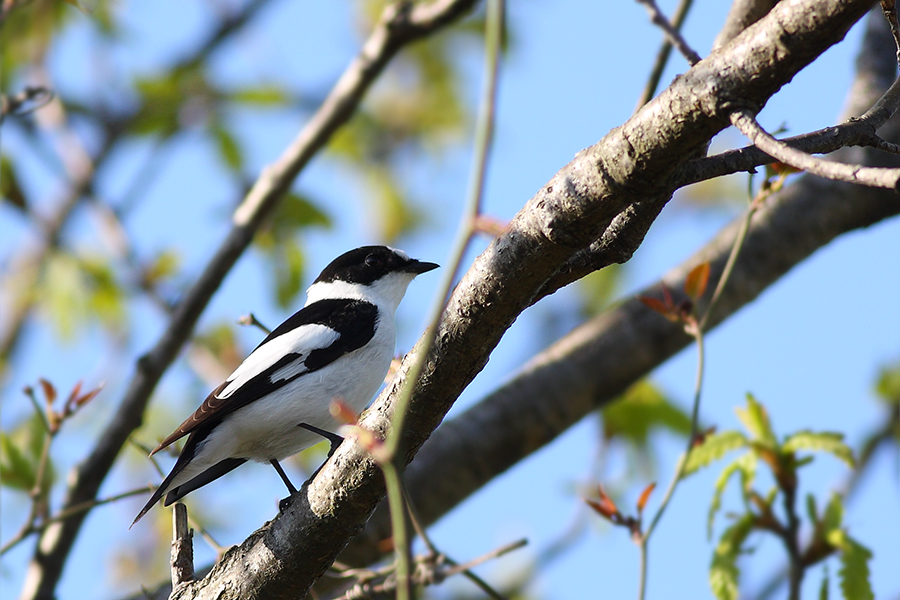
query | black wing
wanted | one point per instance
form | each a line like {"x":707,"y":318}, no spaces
{"x":351,"y":323}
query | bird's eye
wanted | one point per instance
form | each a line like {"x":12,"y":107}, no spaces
{"x":373,"y":260}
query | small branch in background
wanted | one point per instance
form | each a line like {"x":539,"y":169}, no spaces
{"x":440,"y":557}
{"x":746,"y":122}
{"x":672,"y":33}
{"x":39,"y":517}
{"x":406,"y":570}
{"x":429,"y":569}
{"x":471,"y":221}
{"x":859,"y":131}
{"x":385,"y":453}
{"x":889,"y":8}
{"x":250,"y":319}
{"x":27,"y":101}
{"x":768,"y":188}
{"x":400,"y":25}
{"x":182,"y":555}
{"x":662,"y":57}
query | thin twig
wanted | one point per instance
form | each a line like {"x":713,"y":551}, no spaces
{"x":182,"y":554}
{"x":484,"y":133}
{"x":791,"y":541}
{"x":32,"y":527}
{"x":465,"y":569}
{"x":483,"y":137}
{"x":746,"y":122}
{"x":674,"y":36}
{"x":854,"y":132}
{"x":662,"y":57}
{"x":18,"y":105}
{"x":402,"y":546}
{"x":250,"y":319}
{"x":889,"y":8}
{"x":754,"y":205}
{"x":679,"y":469}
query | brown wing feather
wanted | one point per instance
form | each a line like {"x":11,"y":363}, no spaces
{"x":207,"y":411}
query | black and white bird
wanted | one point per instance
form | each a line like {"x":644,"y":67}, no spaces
{"x":276,"y":403}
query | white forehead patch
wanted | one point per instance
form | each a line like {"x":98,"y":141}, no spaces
{"x":399,"y":253}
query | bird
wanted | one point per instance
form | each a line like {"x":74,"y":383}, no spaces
{"x":339,"y":346}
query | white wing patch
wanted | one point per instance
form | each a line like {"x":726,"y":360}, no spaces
{"x":293,"y":369}
{"x":302,"y":341}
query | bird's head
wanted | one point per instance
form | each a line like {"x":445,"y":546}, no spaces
{"x":379,"y":274}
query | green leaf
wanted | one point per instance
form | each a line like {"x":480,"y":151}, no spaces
{"x":16,"y":471}
{"x":598,"y":289}
{"x":163,"y":100}
{"x":164,"y":265}
{"x":20,"y":453}
{"x":640,"y":411}
{"x":724,"y":572}
{"x":297,"y":211}
{"x":229,"y":148}
{"x":713,"y":448}
{"x":854,"y":572}
{"x":823,"y":588}
{"x":62,"y":294}
{"x":833,"y":516}
{"x":78,"y":5}
{"x":259,"y":96}
{"x":9,"y":185}
{"x":746,"y":466}
{"x":74,"y":290}
{"x":396,"y":215}
{"x":826,"y":441}
{"x":220,"y":340}
{"x":756,"y":419}
{"x":812,"y":511}
{"x":888,"y":385}
{"x":105,"y":298}
{"x":289,"y":266}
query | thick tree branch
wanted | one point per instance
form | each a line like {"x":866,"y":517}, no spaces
{"x":855,"y":131}
{"x":597,"y":361}
{"x":400,"y":24}
{"x":634,"y":163}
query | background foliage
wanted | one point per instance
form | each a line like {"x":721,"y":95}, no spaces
{"x":115,"y":192}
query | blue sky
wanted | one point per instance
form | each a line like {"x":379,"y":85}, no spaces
{"x":809,"y":347}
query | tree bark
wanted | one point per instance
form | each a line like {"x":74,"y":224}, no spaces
{"x":631,"y":172}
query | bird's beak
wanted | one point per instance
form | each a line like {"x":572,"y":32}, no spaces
{"x":418,"y":267}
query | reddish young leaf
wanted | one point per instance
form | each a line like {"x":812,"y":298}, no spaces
{"x":489,"y":225}
{"x":781,"y":168}
{"x":601,"y":509}
{"x":386,"y":545}
{"x":85,"y":398}
{"x":76,"y":389}
{"x":606,"y":507}
{"x":645,"y":495}
{"x":49,"y":390}
{"x":655,"y":304}
{"x":695,"y":283}
{"x":342,"y":413}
